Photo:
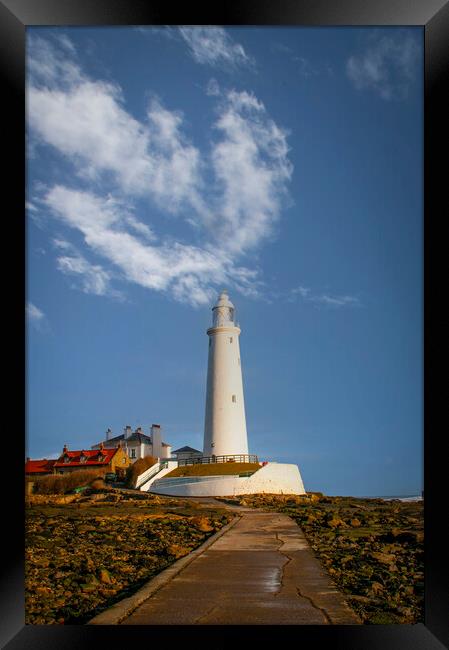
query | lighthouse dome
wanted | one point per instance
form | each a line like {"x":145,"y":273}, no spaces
{"x":223,"y":300}
{"x":223,"y":311}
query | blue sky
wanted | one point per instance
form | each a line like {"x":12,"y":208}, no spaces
{"x":284,"y":164}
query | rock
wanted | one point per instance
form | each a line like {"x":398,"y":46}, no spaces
{"x":355,"y":523}
{"x":177,"y":550}
{"x":202,"y":523}
{"x":335,"y":522}
{"x":105,"y":576}
{"x":43,"y":591}
{"x":361,"y":599}
{"x":376,"y":588}
{"x":385,"y":558}
{"x":86,"y":528}
{"x":91,"y":583}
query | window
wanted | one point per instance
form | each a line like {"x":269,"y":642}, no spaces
{"x":234,"y":399}
{"x":132,"y":453}
{"x":230,"y":339}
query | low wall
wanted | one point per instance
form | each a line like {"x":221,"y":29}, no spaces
{"x":273,"y":478}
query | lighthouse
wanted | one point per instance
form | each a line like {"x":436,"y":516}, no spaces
{"x":225,"y":437}
{"x":225,"y":424}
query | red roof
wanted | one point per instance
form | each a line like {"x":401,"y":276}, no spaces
{"x":92,"y":457}
{"x":43,"y":466}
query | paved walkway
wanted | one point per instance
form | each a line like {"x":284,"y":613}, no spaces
{"x":261,"y":571}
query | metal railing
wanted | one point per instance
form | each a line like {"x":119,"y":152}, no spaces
{"x":229,"y":458}
{"x":150,"y":472}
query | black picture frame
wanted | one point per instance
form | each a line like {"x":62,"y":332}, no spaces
{"x":433,"y":16}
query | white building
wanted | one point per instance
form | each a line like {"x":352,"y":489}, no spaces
{"x":186,"y":453}
{"x":137,"y":443}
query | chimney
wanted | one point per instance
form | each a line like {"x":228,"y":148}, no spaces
{"x":128,"y":432}
{"x":65,"y":449}
{"x":28,"y":459}
{"x":139,"y":430}
{"x":108,"y":434}
{"x":156,"y":440}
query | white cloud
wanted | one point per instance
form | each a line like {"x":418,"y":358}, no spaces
{"x":140,"y":228}
{"x":66,"y":43}
{"x":95,"y":279}
{"x":44,"y":65}
{"x":335,"y":301}
{"x":187,"y":272}
{"x":322,"y":299}
{"x":302,"y":291}
{"x":36,"y":317}
{"x":64,"y":245}
{"x":30,"y":207}
{"x":33,"y":312}
{"x":213,"y":88}
{"x":388,"y":65}
{"x":87,"y":122}
{"x":214,"y":46}
{"x":251,"y":167}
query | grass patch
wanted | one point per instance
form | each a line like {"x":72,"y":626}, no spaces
{"x":213,"y":469}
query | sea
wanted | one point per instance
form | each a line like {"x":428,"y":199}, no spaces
{"x":401,"y":498}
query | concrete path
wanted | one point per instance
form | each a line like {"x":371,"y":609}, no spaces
{"x":261,"y":571}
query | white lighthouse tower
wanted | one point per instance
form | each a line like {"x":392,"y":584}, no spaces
{"x":225,"y":424}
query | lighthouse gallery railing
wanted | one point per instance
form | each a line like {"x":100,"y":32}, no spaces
{"x":230,"y":458}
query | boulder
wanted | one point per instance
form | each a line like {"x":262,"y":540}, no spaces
{"x":355,"y":523}
{"x":336,"y":522}
{"x":105,"y":576}
{"x":202,"y":524}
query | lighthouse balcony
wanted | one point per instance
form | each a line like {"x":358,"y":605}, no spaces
{"x":229,"y":458}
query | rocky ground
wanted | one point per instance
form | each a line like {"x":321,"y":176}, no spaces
{"x":85,"y":552}
{"x":372,"y":549}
